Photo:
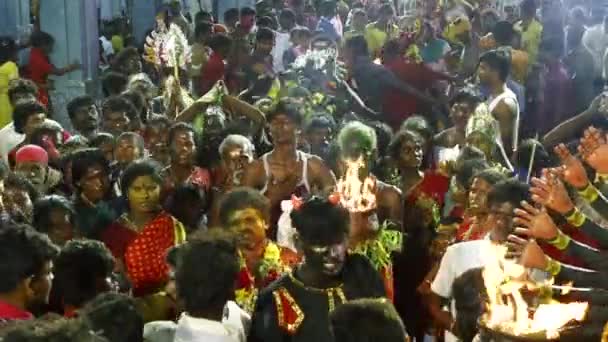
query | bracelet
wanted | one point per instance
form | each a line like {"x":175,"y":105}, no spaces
{"x":589,"y":193}
{"x":575,"y":217}
{"x":561,"y":241}
{"x":553,"y":267}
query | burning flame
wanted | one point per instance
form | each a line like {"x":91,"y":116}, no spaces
{"x":507,"y":311}
{"x":356,"y":195}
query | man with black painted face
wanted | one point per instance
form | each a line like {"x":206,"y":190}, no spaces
{"x":296,"y":307}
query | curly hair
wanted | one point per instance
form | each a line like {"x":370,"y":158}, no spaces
{"x":21,"y":86}
{"x":83,"y":160}
{"x":45,"y":206}
{"x":78,"y":269}
{"x":23,"y":111}
{"x":115,"y":315}
{"x":24,"y":252}
{"x":240,"y":199}
{"x":358,"y":136}
{"x":140,"y":168}
{"x":396,"y":145}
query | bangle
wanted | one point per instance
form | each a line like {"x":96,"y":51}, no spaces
{"x":575,"y":217}
{"x":553,"y":267}
{"x":561,"y":241}
{"x":589,"y":193}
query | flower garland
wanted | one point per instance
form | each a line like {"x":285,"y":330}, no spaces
{"x":269,"y":269}
{"x":378,"y":250}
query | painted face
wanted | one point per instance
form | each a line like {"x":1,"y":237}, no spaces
{"x":33,"y":121}
{"x":86,"y":119}
{"x":411,"y":154}
{"x":95,"y":184}
{"x":41,"y":285}
{"x":61,"y":229}
{"x":282,"y":129}
{"x":115,"y":123}
{"x":249,"y":226}
{"x":18,"y":204}
{"x":501,"y":218}
{"x":478,"y":196}
{"x":235,"y":159}
{"x":126,"y":151}
{"x":329,"y":258}
{"x":34,"y":172}
{"x":183,"y":148}
{"x":144,"y":194}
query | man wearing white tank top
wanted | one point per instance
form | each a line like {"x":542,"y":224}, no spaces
{"x":494,"y":69}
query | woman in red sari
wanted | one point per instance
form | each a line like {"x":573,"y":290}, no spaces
{"x":140,"y":238}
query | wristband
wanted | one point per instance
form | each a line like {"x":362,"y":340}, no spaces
{"x":561,"y":241}
{"x":553,"y":267}
{"x":575,"y":217}
{"x":589,"y":193}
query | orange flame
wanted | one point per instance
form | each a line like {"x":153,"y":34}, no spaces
{"x":356,"y":195}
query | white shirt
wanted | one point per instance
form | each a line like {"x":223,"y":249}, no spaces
{"x":233,"y":328}
{"x":596,"y":41}
{"x":9,"y":139}
{"x":458,"y":259}
{"x":281,"y":44}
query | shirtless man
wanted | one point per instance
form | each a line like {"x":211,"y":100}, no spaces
{"x":494,"y":69}
{"x":286,"y":171}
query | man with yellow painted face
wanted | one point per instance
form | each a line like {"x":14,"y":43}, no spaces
{"x":297,"y":306}
{"x":246,"y":213}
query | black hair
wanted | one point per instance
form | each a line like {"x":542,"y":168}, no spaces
{"x":114,"y":83}
{"x":8,"y":49}
{"x":180,"y":127}
{"x":468,"y":169}
{"x":123,"y":56}
{"x":22,"y":112}
{"x":469,"y":293}
{"x":358,"y":46}
{"x":219,"y":41}
{"x":85,"y":159}
{"x":77,"y":103}
{"x":203,"y":16}
{"x":203,"y":27}
{"x":392,"y":48}
{"x":327,"y":8}
{"x":320,"y":121}
{"x":289,"y":109}
{"x":21,"y":85}
{"x":184,"y":194}
{"x":15,"y":181}
{"x":470,"y":152}
{"x":384,"y":135}
{"x":523,"y":154}
{"x":116,"y":316}
{"x":467,"y":95}
{"x":43,"y":208}
{"x":247,"y":11}
{"x":139,"y":102}
{"x":243,"y":198}
{"x":288,"y":13}
{"x":40,"y":39}
{"x":320,"y":222}
{"x":102,"y":138}
{"x":510,"y":191}
{"x":503,"y":33}
{"x":365,"y":320}
{"x":266,"y":22}
{"x":498,"y":60}
{"x":206,"y":273}
{"x":264,"y":34}
{"x":79,"y":268}
{"x":120,"y":104}
{"x":396,"y":145}
{"x":140,"y":168}
{"x":51,"y":329}
{"x":24,"y":252}
{"x":231,"y":14}
{"x":491,"y":176}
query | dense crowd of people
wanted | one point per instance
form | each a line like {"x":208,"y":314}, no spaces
{"x":307,"y":171}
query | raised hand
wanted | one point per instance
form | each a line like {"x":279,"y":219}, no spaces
{"x":594,"y":149}
{"x":551,"y":193}
{"x":572,"y":170}
{"x":528,"y":251}
{"x":534,"y":222}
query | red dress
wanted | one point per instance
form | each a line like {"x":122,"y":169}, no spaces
{"x":143,"y":253}
{"x":39,"y":69}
